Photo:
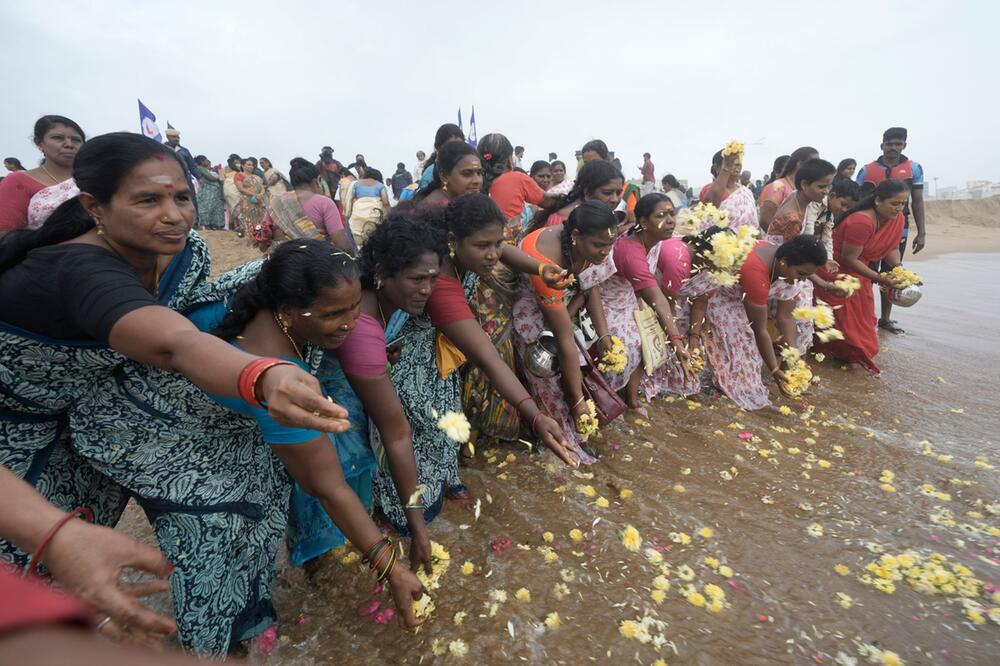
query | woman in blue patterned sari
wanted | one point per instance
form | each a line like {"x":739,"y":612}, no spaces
{"x":90,"y":324}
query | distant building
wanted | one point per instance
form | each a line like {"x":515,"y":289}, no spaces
{"x":974,"y":189}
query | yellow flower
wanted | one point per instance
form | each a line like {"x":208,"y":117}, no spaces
{"x":548,"y":537}
{"x":680,"y":537}
{"x":653,"y":556}
{"x":553,"y":621}
{"x":678,"y":488}
{"x":785,"y":410}
{"x":631,"y":538}
{"x":551,"y":556}
{"x":706,"y":532}
{"x":890,"y":658}
{"x":815,"y":530}
{"x":825,"y":464}
{"x":659,"y":596}
{"x":468,"y":568}
{"x":888,"y":487}
{"x":844,"y":600}
{"x":523,"y":594}
{"x":567,"y":575}
{"x":696,"y":599}
{"x":841,"y":569}
{"x":734,"y":147}
{"x":625,"y":494}
{"x":575,"y":534}
{"x":561,"y":590}
{"x":847,"y":283}
{"x":715,"y":606}
{"x":615,"y":359}
{"x":794,"y":450}
{"x":456,"y":426}
{"x":725,"y":571}
{"x":714,"y":591}
{"x":685,"y":573}
{"x":602,"y":503}
{"x":661,"y":583}
{"x":458,"y":648}
{"x":659,"y":662}
{"x":829,"y":334}
{"x":459,"y":618}
{"x":903,"y":277}
{"x":587,"y":490}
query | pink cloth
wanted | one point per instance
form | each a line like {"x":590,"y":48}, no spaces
{"x":620,"y":303}
{"x":16,"y":190}
{"x":48,"y":199}
{"x":633,"y":265}
{"x":555,"y":219}
{"x":674,"y":265}
{"x":647,"y":172}
{"x":363,"y":352}
{"x":741,"y":208}
{"x":323,"y":212}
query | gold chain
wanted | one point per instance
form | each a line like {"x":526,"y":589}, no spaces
{"x":284,"y":329}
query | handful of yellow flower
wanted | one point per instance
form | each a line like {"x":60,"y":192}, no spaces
{"x":696,"y":362}
{"x":821,"y":314}
{"x":903,"y":277}
{"x":847,"y":284}
{"x":586,"y":424}
{"x":734,"y":147}
{"x":440,"y":561}
{"x":690,"y":220}
{"x":455,"y":425}
{"x":728,"y":253}
{"x":798,"y":372}
{"x":615,"y":359}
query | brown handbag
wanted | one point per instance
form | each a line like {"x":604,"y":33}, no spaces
{"x":608,"y":404}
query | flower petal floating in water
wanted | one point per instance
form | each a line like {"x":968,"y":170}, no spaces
{"x":553,"y":621}
{"x":631,"y":538}
{"x":523,"y":594}
{"x":624,"y":494}
{"x":458,"y":648}
{"x":815,"y":530}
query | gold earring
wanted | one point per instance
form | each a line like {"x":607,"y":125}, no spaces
{"x":444,"y":187}
{"x":378,"y":283}
{"x":574,"y":242}
{"x":451,"y":251}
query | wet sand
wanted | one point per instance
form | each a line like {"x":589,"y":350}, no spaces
{"x":757,"y":482}
{"x":937,"y":396}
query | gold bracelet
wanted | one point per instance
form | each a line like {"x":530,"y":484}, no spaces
{"x":541,"y":268}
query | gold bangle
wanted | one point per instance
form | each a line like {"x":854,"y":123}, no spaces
{"x":541,"y":268}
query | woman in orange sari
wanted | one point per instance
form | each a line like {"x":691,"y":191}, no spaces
{"x":869,"y":233}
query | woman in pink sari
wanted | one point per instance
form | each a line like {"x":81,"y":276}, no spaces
{"x":637,"y":256}
{"x":869,"y":233}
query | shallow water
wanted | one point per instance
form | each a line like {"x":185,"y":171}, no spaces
{"x":939,"y":385}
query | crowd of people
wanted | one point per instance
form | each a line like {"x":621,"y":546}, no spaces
{"x":328,"y":391}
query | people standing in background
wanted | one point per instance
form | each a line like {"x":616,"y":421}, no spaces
{"x":745,"y":179}
{"x":58,"y":139}
{"x":174,"y":141}
{"x":671,"y":184}
{"x":579,"y":160}
{"x":359,"y":165}
{"x":418,"y":168}
{"x":231,"y":193}
{"x":541,"y":173}
{"x":274,"y":181}
{"x":445,"y":134}
{"x":211,"y":207}
{"x":400,"y":180}
{"x":558,"y":173}
{"x":366,"y":203}
{"x":251,"y":206}
{"x":519,"y":157}
{"x":13,"y":164}
{"x":553,"y":157}
{"x":614,"y":160}
{"x":257,"y":171}
{"x":894,"y":165}
{"x":329,"y":170}
{"x":845,"y":170}
{"x":648,"y":174}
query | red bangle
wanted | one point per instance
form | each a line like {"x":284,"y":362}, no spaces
{"x":533,"y":420}
{"x":250,"y":377}
{"x":676,"y":337}
{"x":32,"y":570}
{"x":517,"y":407}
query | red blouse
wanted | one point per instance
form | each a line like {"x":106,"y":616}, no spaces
{"x":755,"y":278}
{"x":16,"y":191}
{"x":447,"y":303}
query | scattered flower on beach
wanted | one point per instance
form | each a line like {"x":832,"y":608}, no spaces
{"x":815,"y":530}
{"x":553,"y":621}
{"x":575,"y":534}
{"x":523,"y":594}
{"x":458,"y":648}
{"x":624,"y":494}
{"x":631,"y":538}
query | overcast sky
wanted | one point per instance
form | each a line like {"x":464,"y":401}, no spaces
{"x":678,"y":79}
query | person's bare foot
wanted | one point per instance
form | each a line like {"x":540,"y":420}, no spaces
{"x":890,"y":326}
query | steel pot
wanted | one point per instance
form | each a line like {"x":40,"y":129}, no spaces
{"x":905,"y":297}
{"x":541,"y":357}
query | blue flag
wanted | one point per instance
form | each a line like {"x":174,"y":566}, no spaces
{"x":473,"y":139}
{"x":147,"y":123}
{"x":460,"y":120}
{"x":169,"y":126}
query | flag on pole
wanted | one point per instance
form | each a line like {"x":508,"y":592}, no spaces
{"x":169,"y":126}
{"x":473,"y":139}
{"x":147,"y":123}
{"x":460,"y":120}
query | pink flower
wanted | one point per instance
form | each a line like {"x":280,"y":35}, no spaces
{"x":369,"y":607}
{"x":500,"y":544}
{"x":745,"y":436}
{"x":384,"y":616}
{"x":267,"y":641}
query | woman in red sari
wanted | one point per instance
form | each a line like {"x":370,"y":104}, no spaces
{"x":869,"y":233}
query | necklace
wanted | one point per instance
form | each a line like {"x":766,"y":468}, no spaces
{"x":284,"y":329}
{"x":54,"y":179}
{"x":381,"y":314}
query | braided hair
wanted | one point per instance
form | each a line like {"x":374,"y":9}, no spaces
{"x":294,"y":275}
{"x":592,"y":176}
{"x":589,"y":218}
{"x":495,"y":152}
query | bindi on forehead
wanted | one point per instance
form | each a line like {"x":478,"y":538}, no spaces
{"x":159,"y":157}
